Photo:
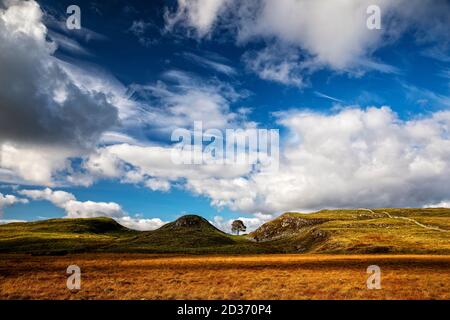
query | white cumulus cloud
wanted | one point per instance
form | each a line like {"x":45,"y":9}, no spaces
{"x":252,"y":223}
{"x":353,"y":157}
{"x":331,"y":34}
{"x":59,"y":118}
{"x":9,"y":200}
{"x":443,"y":204}
{"x":90,"y":209}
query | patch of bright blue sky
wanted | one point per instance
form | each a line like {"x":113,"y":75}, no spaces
{"x":131,"y":62}
{"x":135,"y":200}
{"x":37,"y":210}
{"x":141,"y":201}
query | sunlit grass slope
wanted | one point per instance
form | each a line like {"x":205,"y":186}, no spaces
{"x":361,"y":231}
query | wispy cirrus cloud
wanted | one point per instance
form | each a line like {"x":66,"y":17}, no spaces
{"x":325,"y":96}
{"x":140,"y":28}
{"x":281,"y":65}
{"x":210,"y":62}
{"x":426,"y":97}
{"x":333,"y":35}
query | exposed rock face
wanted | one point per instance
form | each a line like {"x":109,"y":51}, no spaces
{"x":369,"y":216}
{"x":285,"y":226}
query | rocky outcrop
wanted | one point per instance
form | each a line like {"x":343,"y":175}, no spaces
{"x":285,"y":226}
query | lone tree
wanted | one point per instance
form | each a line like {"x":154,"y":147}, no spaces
{"x":238,"y":226}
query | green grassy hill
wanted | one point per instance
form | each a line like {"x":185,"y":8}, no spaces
{"x":188,"y":234}
{"x":327,"y":231}
{"x":194,"y":235}
{"x":361,"y":231}
{"x":59,"y":236}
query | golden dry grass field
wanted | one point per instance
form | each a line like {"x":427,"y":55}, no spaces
{"x":144,"y":276}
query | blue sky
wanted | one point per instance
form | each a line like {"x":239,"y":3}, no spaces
{"x":363,"y":114}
